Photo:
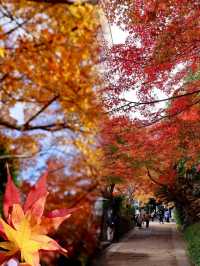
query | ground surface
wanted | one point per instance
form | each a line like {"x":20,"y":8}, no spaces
{"x":160,"y":245}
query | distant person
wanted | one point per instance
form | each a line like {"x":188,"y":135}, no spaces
{"x":172,"y":216}
{"x":116,"y":220}
{"x":161,"y":221}
{"x":110,"y":225}
{"x":153,"y":216}
{"x":139,"y":220}
{"x":167,"y":216}
{"x":147,"y":219}
{"x":110,"y":232}
{"x":161,"y":216}
{"x":137,"y":212}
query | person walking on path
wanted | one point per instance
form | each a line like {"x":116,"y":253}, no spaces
{"x":161,"y":217}
{"x":147,"y":219}
{"x":167,"y":216}
{"x":153,"y":216}
{"x":139,"y":220}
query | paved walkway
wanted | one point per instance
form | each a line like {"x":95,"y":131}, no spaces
{"x":160,"y":245}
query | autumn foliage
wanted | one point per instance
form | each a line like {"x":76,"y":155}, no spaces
{"x":26,"y":227}
{"x":152,"y":95}
{"x":48,"y":57}
{"x":139,"y":126}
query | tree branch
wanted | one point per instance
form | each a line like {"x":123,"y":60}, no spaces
{"x":153,"y":180}
{"x":22,"y":156}
{"x":85,"y":194}
{"x":40,"y":111}
{"x":47,"y":127}
{"x":18,"y":156}
{"x":136,"y":104}
{"x":69,"y":2}
{"x":169,"y":116}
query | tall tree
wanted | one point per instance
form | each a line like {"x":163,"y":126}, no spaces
{"x":48,"y":53}
{"x":162,"y":49}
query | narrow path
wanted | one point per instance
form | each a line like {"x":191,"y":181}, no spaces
{"x":160,"y":245}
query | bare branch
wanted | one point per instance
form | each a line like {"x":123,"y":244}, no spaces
{"x":153,"y":180}
{"x":85,"y":194}
{"x":41,"y":111}
{"x":170,"y":115}
{"x":19,"y":156}
{"x":69,"y":2}
{"x":47,"y":127}
{"x":136,"y":104}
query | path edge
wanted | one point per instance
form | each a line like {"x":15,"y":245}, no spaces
{"x":184,"y":259}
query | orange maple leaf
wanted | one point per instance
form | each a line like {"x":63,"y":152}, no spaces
{"x":26,"y":227}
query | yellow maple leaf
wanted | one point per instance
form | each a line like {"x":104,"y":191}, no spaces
{"x":26,"y":228}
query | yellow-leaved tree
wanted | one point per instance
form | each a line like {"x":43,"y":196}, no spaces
{"x":47,"y":58}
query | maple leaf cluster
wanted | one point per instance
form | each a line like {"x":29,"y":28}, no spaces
{"x":26,"y":227}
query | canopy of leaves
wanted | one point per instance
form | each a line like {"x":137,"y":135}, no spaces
{"x":161,"y":50}
{"x":48,"y":54}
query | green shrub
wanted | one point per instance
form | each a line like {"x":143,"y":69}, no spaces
{"x":178,"y":218}
{"x":192,"y":236}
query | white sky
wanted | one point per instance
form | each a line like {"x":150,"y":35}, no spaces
{"x":118,"y":35}
{"x":17,"y":112}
